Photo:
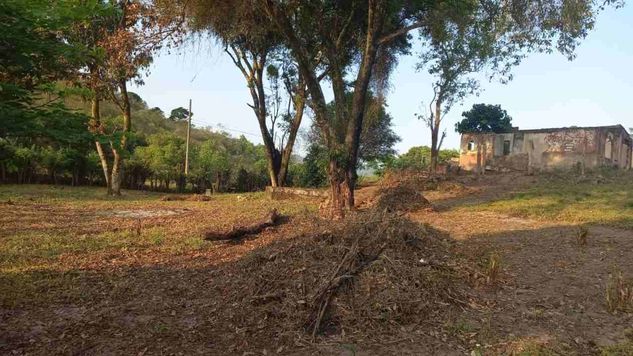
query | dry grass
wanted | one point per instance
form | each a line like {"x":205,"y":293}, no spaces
{"x":493,"y":267}
{"x":92,"y":281}
{"x":50,"y":229}
{"x":402,"y":192}
{"x":582,"y":233}
{"x":621,"y":349}
{"x":82,"y":273}
{"x":619,"y":293}
{"x":560,"y":198}
{"x":187,"y":197}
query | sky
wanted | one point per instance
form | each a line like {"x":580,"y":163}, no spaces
{"x":594,"y":89}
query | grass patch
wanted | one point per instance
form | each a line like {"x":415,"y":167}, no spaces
{"x":609,"y":203}
{"x":52,"y":193}
{"x":50,"y":237}
{"x":622,"y":349}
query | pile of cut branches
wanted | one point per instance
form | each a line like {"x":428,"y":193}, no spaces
{"x":364,"y":279}
{"x":402,"y":198}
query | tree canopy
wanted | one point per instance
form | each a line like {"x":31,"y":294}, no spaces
{"x":179,"y":114}
{"x":485,"y":118}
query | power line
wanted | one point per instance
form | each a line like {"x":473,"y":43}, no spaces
{"x":223,"y":128}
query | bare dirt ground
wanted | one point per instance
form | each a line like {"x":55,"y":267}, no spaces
{"x":86,"y":276}
{"x":551,"y":293}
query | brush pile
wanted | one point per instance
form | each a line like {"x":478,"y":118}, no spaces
{"x":402,"y":192}
{"x":401,"y":199}
{"x":365,"y":279}
{"x":418,"y":180}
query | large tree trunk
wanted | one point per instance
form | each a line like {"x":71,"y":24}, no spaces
{"x":335,"y":209}
{"x":299,"y":106}
{"x":119,"y":152}
{"x":274,"y":162}
{"x":96,"y":116}
{"x":104,"y":166}
{"x":435,"y":136}
{"x":359,"y":100}
{"x":116,"y":173}
{"x":258,"y":95}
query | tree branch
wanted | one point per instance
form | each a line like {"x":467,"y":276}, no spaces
{"x":399,"y":32}
{"x":341,"y":35}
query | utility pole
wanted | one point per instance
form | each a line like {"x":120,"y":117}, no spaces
{"x":187,"y":143}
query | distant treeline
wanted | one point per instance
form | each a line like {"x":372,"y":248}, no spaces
{"x":60,"y":150}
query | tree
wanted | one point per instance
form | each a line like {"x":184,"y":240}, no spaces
{"x":481,"y":119}
{"x":253,"y":46}
{"x":360,"y":36}
{"x":37,"y":131}
{"x":314,"y":172}
{"x":214,"y":161}
{"x":33,"y":58}
{"x":419,"y":158}
{"x":455,"y":48}
{"x":377,"y":138}
{"x":359,"y":41}
{"x":179,"y":114}
{"x":163,"y":156}
{"x":120,"y":39}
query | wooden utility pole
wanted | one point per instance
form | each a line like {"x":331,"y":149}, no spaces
{"x":187,"y":143}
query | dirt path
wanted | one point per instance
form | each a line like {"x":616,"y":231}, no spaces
{"x":552,"y":289}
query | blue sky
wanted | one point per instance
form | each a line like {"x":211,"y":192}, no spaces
{"x":547,"y":90}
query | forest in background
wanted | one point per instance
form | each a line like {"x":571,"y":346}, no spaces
{"x":57,"y":148}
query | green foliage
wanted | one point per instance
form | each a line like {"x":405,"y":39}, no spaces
{"x":485,"y":118}
{"x":461,"y":42}
{"x":33,"y":56}
{"x":163,"y":156}
{"x":33,"y":48}
{"x":179,"y":114}
{"x":214,"y":158}
{"x":417,"y":158}
{"x":377,"y":135}
{"x":314,"y":170}
{"x":58,"y":148}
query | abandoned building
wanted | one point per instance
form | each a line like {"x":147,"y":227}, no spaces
{"x":547,"y":149}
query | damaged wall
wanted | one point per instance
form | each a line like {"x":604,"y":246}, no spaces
{"x":547,"y":149}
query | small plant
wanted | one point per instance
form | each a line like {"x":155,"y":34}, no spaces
{"x":581,"y":236}
{"x":624,"y":348}
{"x":492,"y":267}
{"x":619,"y":293}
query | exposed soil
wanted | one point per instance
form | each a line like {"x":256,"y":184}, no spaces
{"x":142,"y":213}
{"x":254,"y":297}
{"x":552,"y":289}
